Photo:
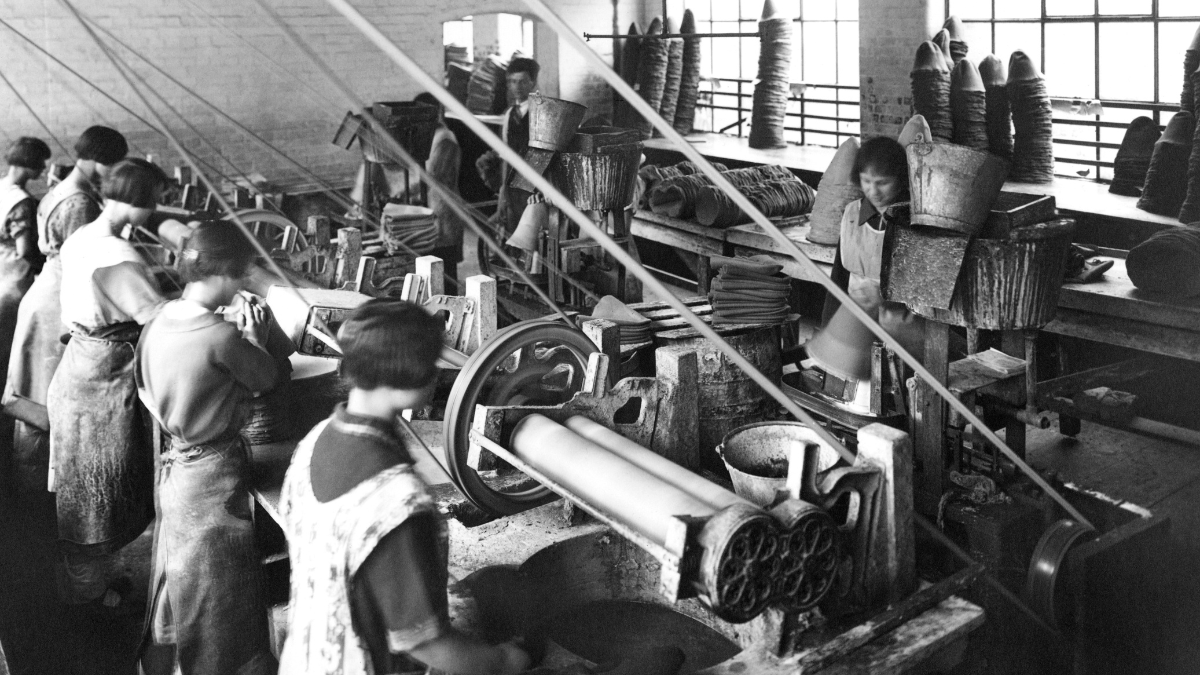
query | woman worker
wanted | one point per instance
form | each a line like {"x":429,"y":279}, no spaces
{"x":103,"y":470}
{"x":36,"y":344}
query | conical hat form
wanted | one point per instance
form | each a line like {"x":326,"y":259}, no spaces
{"x":1195,"y":46}
{"x":942,"y":40}
{"x":915,"y":131}
{"x":1021,"y":67}
{"x":843,"y":346}
{"x":842,"y":165}
{"x":993,"y":71}
{"x":534,"y":220}
{"x":671,"y":28}
{"x":771,"y":11}
{"x":965,"y":77}
{"x":1179,"y":129}
{"x":656,"y":26}
{"x":954,"y":27}
{"x":929,"y":57}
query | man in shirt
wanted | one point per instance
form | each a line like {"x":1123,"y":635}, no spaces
{"x":521,"y":80}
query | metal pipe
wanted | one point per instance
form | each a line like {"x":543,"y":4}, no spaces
{"x":1033,"y":418}
{"x":667,"y":36}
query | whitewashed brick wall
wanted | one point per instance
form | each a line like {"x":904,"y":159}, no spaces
{"x":889,"y":33}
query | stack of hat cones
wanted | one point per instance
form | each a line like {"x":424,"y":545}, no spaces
{"x":1166,"y":183}
{"x":968,"y":102}
{"x":1133,"y":158}
{"x":774,"y":72}
{"x":931,"y":90}
{"x":1033,"y":148}
{"x":674,"y":76}
{"x":652,"y":73}
{"x":689,"y":82}
{"x":1190,"y":211}
{"x":838,"y":187}
{"x":994,"y":74}
{"x":958,"y":46}
{"x":630,"y":66}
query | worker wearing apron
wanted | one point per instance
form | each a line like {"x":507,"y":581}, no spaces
{"x":19,"y":256}
{"x":36,"y":344}
{"x":103,"y":467}
{"x":199,"y":362}
{"x":521,"y":80}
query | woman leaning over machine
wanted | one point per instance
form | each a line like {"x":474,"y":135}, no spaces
{"x":101,"y":461}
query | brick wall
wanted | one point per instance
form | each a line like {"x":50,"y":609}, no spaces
{"x":288,"y":103}
{"x":889,"y":33}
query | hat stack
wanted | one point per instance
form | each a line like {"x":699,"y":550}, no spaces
{"x":941,"y":40}
{"x":1166,"y":180}
{"x":1191,"y":61}
{"x":670,"y":97}
{"x":774,"y":73}
{"x":623,"y":114}
{"x":652,"y":74}
{"x":486,"y":89}
{"x":1033,"y":144}
{"x":635,"y":328}
{"x":931,"y":90}
{"x":958,"y":46}
{"x":994,"y":74}
{"x":689,"y":83}
{"x":1190,"y":211}
{"x":412,"y":226}
{"x":676,"y":197}
{"x":838,"y":187}
{"x":775,"y":199}
{"x":1133,"y":158}
{"x":749,"y":290}
{"x":968,"y":101}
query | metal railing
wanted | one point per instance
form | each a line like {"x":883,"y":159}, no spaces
{"x":1099,"y":161}
{"x":807,"y":122}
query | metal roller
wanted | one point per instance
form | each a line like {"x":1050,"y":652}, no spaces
{"x":1045,"y":590}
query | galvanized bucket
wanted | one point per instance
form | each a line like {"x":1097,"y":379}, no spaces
{"x":953,"y":187}
{"x":757,"y":456}
{"x":553,"y":122}
{"x":600,"y":181}
{"x":412,"y":124}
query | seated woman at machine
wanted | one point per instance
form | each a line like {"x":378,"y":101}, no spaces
{"x":196,"y":370}
{"x":843,"y":346}
{"x":366,"y":543}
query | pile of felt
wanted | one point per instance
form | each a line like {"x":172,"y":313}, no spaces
{"x":994,"y":74}
{"x":968,"y":105}
{"x":838,"y":187}
{"x":676,"y":197}
{"x":689,"y":82}
{"x":623,"y":114}
{"x":1189,"y":212}
{"x":1166,"y":180}
{"x":931,"y":90}
{"x":652,"y":74}
{"x":486,"y":91}
{"x":674,"y":76}
{"x":1133,"y":157}
{"x":749,"y":290}
{"x":775,"y":199}
{"x":1168,"y":262}
{"x":958,"y":46}
{"x":1033,"y":143}
{"x":774,"y":75}
{"x":652,"y":174}
{"x":634,"y":327}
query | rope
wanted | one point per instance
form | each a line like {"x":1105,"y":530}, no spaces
{"x":32,"y":112}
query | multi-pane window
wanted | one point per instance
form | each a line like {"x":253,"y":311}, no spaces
{"x":1125,"y":54}
{"x":824,"y":106}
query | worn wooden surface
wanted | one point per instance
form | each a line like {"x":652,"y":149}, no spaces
{"x":1142,"y":336}
{"x":1114,"y":295}
{"x":929,"y":420}
{"x":924,"y":266}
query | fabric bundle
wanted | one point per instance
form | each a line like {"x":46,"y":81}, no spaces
{"x":838,"y":187}
{"x":958,"y":46}
{"x":931,"y":90}
{"x":968,"y":103}
{"x":1166,"y":180}
{"x":652,"y":75}
{"x":1133,"y":158}
{"x":458,"y":81}
{"x":634,"y":327}
{"x":776,"y":199}
{"x":1168,"y":262}
{"x":676,"y":197}
{"x":670,"y":97}
{"x":1033,"y":146}
{"x":623,"y":115}
{"x":486,"y":91}
{"x":994,"y":74}
{"x":1190,"y":211}
{"x":413,"y":226}
{"x":652,"y":175}
{"x":749,"y":290}
{"x":689,"y":83}
{"x":774,"y":72}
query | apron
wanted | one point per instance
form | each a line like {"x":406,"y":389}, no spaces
{"x":102,"y":465}
{"x":208,"y":598}
{"x":16,"y":276}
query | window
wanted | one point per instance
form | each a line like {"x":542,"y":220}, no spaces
{"x":1126,"y":54}
{"x":499,"y":34}
{"x":824,"y":106}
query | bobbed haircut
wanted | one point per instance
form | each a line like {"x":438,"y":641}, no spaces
{"x":101,"y":144}
{"x":135,"y":182}
{"x":523,"y":64}
{"x":215,"y":248}
{"x":428,"y":99}
{"x":28,"y":152}
{"x":390,"y":343}
{"x":884,"y":156}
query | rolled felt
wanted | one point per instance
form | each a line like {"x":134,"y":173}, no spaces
{"x":968,"y":102}
{"x":838,"y":187}
{"x":958,"y":44}
{"x":1166,"y":180}
{"x":1189,"y":212}
{"x":1033,"y":151}
{"x":931,"y":90}
{"x":652,"y":74}
{"x":689,"y":83}
{"x":630,"y":66}
{"x":999,"y":118}
{"x":1133,"y":157}
{"x":757,"y":264}
{"x":776,"y":198}
{"x":670,"y":96}
{"x":772,"y":89}
{"x":1167,"y":262}
{"x":676,"y":197}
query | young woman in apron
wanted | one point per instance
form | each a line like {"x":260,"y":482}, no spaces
{"x":197,"y":368}
{"x":19,"y":256}
{"x":36,"y":343}
{"x":103,"y":471}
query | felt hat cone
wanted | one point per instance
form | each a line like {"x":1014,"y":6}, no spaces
{"x":838,"y":187}
{"x":656,"y":26}
{"x":915,"y":131}
{"x":1195,"y":46}
{"x":533,"y":222}
{"x":929,"y":57}
{"x":1022,"y":68}
{"x":942,"y":40}
{"x":843,"y":347}
{"x":842,"y":165}
{"x":1179,"y":129}
{"x":965,"y":77}
{"x":954,"y":27}
{"x":993,"y":71}
{"x":1133,"y":157}
{"x":771,"y":11}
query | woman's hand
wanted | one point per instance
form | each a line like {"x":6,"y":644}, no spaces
{"x":255,"y":323}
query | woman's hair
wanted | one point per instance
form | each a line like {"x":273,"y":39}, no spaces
{"x":884,"y":156}
{"x":135,"y":182}
{"x":28,"y":152}
{"x":390,"y":343}
{"x":215,"y":248}
{"x":101,"y":144}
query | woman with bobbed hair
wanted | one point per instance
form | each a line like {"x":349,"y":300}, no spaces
{"x":102,"y":465}
{"x":36,"y":345}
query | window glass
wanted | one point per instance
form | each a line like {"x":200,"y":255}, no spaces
{"x":1019,"y":9}
{"x":819,"y":10}
{"x":1070,"y":7}
{"x":971,"y":9}
{"x":1071,"y":59}
{"x":1126,"y":7}
{"x":847,"y":58}
{"x":1026,"y":37}
{"x":1127,"y":61}
{"x":820,"y":52}
{"x":1178,"y":8}
{"x":1174,"y":37}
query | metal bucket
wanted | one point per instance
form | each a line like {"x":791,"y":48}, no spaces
{"x":1010,"y":284}
{"x":412,"y":124}
{"x":553,"y":122}
{"x":953,"y":187}
{"x":728,"y":398}
{"x":601,"y":181}
{"x":757,"y":457}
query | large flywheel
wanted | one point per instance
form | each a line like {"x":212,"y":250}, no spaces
{"x":530,"y":363}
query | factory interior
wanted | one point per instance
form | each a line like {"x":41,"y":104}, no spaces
{"x":570,"y":337}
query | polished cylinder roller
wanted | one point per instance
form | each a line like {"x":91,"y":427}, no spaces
{"x":656,"y":465}
{"x":637,"y":498}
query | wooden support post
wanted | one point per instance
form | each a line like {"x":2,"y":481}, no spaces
{"x":929,"y":420}
{"x":349,"y":252}
{"x":434,"y":270}
{"x":606,"y":335}
{"x":676,"y":432}
{"x":703,"y":272}
{"x":891,"y":562}
{"x":320,"y":237}
{"x":1012,"y":342}
{"x":482,"y":290}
